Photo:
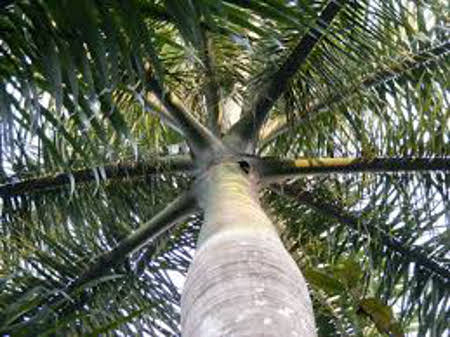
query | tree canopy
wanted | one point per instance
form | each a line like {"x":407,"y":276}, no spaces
{"x":346,"y":104}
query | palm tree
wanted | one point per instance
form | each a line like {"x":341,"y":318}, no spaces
{"x":267,"y":137}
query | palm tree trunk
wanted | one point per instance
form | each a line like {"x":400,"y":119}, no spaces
{"x":242,"y":281}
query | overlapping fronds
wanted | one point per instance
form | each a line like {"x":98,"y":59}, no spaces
{"x":51,"y":238}
{"x":372,"y":95}
{"x":72,"y":74}
{"x":78,"y":104}
{"x":139,"y":296}
{"x":394,"y":227}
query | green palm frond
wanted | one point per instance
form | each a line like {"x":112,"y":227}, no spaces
{"x":141,"y":293}
{"x":101,"y":101}
{"x":52,"y":238}
{"x":384,"y":220}
{"x":373,"y":93}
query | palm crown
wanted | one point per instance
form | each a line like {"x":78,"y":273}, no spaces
{"x":101,"y":103}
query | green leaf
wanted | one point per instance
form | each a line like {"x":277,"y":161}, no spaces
{"x":324,"y":281}
{"x":381,"y":315}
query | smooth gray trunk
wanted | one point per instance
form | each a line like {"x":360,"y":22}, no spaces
{"x":242,"y":281}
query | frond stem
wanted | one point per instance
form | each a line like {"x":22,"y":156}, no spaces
{"x":244,"y":133}
{"x":178,"y":210}
{"x":199,"y":138}
{"x":121,"y":170}
{"x":414,"y":254}
{"x":212,"y":90}
{"x":274,"y":170}
{"x":416,"y":61}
